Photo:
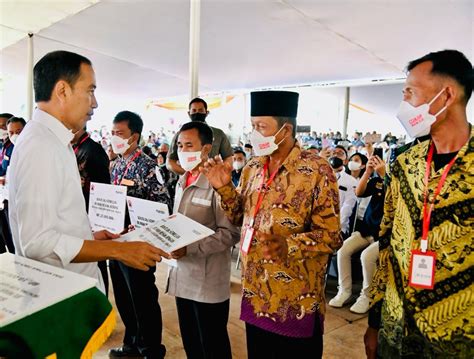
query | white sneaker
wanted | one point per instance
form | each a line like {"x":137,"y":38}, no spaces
{"x":361,"y":306}
{"x":340,"y":299}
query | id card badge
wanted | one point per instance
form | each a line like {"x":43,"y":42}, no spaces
{"x":127,"y":182}
{"x":247,"y":242}
{"x":422,"y":269}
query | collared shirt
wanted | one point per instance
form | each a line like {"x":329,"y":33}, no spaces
{"x":140,"y":176}
{"x":236,"y":177}
{"x":48,"y":216}
{"x":423,"y":322}
{"x":5,"y":157}
{"x":220,"y":145}
{"x":347,"y":198}
{"x":203,"y":274}
{"x":301,"y":204}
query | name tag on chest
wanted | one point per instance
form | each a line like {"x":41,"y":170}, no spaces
{"x":422,"y":269}
{"x":201,"y":201}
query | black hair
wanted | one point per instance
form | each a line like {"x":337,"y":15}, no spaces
{"x":162,"y":154}
{"x":364,"y":161}
{"x":53,"y":67}
{"x":134,"y":122}
{"x":16,"y":120}
{"x":197,"y":100}
{"x":342,"y":148}
{"x":6,"y":115}
{"x":147,"y":151}
{"x":282,"y":120}
{"x":237,"y":151}
{"x":248,"y":145}
{"x":205,"y":132}
{"x":451,"y":63}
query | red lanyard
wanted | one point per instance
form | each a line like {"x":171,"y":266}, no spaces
{"x":262,"y":191}
{"x":80,"y":143}
{"x":427,"y":211}
{"x":127,"y":167}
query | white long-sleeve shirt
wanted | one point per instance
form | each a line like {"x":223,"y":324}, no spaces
{"x":47,"y":210}
{"x":347,"y":198}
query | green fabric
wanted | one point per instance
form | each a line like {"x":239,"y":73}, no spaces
{"x":63,"y":328}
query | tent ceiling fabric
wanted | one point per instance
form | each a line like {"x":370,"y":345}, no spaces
{"x":19,"y":17}
{"x":141,"y":47}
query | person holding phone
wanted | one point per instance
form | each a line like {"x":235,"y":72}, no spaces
{"x":365,"y":236}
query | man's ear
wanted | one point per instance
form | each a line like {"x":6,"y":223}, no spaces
{"x":61,"y":91}
{"x":452,"y":95}
{"x":134,"y":137}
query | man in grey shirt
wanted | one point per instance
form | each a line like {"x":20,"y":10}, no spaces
{"x":201,"y":280}
{"x":220,"y":144}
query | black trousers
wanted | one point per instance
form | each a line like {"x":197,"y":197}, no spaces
{"x":6,"y":242}
{"x":203,"y":329}
{"x":105,"y":275}
{"x":136,"y":297}
{"x":262,"y":344}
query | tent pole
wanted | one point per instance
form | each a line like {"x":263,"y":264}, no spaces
{"x":194,"y":37}
{"x":347,"y":101}
{"x":29,"y":78}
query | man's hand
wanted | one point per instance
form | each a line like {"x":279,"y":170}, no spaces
{"x":218,"y":172}
{"x":325,"y":153}
{"x":274,"y":247}
{"x":105,"y":235}
{"x":140,"y":255}
{"x":370,"y":341}
{"x":179,"y":253}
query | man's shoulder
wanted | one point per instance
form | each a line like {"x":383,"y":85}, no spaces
{"x":146,"y":162}
{"x":308,"y":158}
{"x":91,"y":146}
{"x":36,"y":138}
{"x":217,"y":130}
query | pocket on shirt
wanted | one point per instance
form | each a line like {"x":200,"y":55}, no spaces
{"x":203,"y":202}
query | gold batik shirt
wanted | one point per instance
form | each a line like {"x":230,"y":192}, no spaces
{"x":427,"y":323}
{"x":301,"y":204}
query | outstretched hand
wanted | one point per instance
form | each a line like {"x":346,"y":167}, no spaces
{"x":217,"y":171}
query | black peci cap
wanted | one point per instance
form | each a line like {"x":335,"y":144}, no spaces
{"x":274,"y":103}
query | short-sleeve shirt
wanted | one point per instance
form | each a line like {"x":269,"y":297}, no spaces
{"x":220,"y":145}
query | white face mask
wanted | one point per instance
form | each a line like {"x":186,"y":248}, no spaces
{"x":3,"y":134}
{"x":119,"y":145}
{"x":417,"y":121}
{"x":238,"y":165}
{"x":354,"y":166}
{"x":189,"y":160}
{"x":264,"y":146}
{"x":14,"y":138}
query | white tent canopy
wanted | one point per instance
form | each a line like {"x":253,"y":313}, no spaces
{"x":140,"y":48}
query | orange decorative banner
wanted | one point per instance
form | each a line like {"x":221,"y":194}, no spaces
{"x":212,"y":103}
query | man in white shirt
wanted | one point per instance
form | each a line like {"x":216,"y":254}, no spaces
{"x":347,"y":185}
{"x":47,"y":210}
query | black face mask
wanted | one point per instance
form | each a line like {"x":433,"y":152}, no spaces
{"x":335,"y":162}
{"x":199,"y":117}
